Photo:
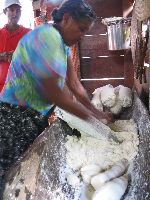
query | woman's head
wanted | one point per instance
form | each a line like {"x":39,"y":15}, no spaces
{"x":74,"y":18}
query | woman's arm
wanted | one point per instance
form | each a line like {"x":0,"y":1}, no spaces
{"x":81,"y":95}
{"x":59,"y":97}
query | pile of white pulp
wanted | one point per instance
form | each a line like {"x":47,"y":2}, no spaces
{"x":95,"y":153}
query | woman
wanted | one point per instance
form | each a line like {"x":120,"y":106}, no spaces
{"x":36,"y":78}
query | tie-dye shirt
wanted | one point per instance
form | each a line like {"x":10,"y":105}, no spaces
{"x":39,"y":55}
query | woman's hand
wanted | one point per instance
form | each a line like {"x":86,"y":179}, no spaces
{"x":108,"y":118}
{"x":105,"y":117}
{"x":81,"y":95}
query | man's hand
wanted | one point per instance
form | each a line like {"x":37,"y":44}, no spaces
{"x":9,"y":55}
{"x":3,"y":56}
{"x":6,"y":56}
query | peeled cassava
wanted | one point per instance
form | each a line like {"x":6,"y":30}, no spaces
{"x":115,"y":171}
{"x":96,"y":99}
{"x":112,"y":190}
{"x":88,"y":171}
{"x":108,"y":96}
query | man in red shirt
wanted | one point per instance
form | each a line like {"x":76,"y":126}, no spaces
{"x":10,"y":35}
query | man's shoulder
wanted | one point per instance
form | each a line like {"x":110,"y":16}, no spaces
{"x":3,"y":29}
{"x":3,"y":33}
{"x":24,"y":29}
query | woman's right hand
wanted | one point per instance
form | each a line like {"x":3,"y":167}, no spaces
{"x":109,"y":117}
{"x":104,"y":117}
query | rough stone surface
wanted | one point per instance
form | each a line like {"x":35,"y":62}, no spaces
{"x":40,"y":173}
{"x":140,"y":176}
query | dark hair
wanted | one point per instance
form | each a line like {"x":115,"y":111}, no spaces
{"x":78,"y":9}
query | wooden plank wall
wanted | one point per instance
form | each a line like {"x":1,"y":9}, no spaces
{"x":97,"y":62}
{"x":143,"y":90}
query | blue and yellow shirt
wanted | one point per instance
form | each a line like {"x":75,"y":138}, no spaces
{"x":39,"y":55}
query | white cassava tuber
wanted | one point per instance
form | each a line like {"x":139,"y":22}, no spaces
{"x":108,"y":96}
{"x":114,"y":99}
{"x":115,"y":171}
{"x":88,"y":171}
{"x":96,"y":100}
{"x":112,"y":190}
{"x":125,"y":96}
{"x":117,"y":108}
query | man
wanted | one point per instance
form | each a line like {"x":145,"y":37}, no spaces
{"x":10,"y":35}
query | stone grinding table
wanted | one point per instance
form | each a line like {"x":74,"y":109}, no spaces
{"x":38,"y":176}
